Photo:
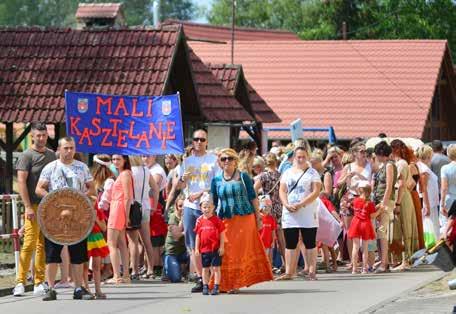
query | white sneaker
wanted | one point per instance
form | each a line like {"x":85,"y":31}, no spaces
{"x":19,"y":290}
{"x":40,"y":289}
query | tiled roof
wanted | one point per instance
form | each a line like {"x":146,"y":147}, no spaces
{"x":361,"y":88}
{"x":222,"y":33}
{"x":217,"y":104}
{"x":98,"y":10}
{"x":38,"y":65}
{"x":230,"y":75}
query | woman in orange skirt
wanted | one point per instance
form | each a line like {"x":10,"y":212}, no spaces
{"x":244,"y":262}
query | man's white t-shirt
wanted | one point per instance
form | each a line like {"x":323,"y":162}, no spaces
{"x":141,"y":177}
{"x":307,"y":216}
{"x":157,"y":169}
{"x":202,"y":170}
{"x":60,"y":175}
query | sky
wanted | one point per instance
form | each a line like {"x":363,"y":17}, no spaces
{"x":206,"y":3}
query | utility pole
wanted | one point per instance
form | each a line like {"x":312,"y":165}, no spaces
{"x":344,"y":30}
{"x":233,"y":23}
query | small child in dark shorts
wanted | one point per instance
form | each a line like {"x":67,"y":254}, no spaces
{"x":209,"y":243}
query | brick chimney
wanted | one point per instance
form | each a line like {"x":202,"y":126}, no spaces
{"x":100,"y":15}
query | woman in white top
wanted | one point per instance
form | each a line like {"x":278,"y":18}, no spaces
{"x":359,"y":170}
{"x":300,"y":187}
{"x":143,"y":184}
{"x":429,"y":187}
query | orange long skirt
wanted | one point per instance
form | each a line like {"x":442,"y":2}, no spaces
{"x":419,"y":218}
{"x":245,"y":262}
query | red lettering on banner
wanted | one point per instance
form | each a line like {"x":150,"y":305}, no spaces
{"x":121,"y":139}
{"x":134,"y":113}
{"x":153,"y":129}
{"x":143,"y":138}
{"x":115,"y":123}
{"x":130,"y":133}
{"x":170,"y":135}
{"x":103,"y":102}
{"x":74,"y":126}
{"x":121,"y":106}
{"x":149,"y":107}
{"x":96,"y":124}
{"x":85,"y":135}
{"x":104,"y":141}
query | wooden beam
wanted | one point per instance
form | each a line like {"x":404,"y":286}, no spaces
{"x":21,"y":137}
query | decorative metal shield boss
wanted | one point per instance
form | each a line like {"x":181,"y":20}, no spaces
{"x":66,"y":216}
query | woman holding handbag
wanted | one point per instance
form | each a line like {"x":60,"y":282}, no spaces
{"x":143,"y":184}
{"x":119,"y":218}
{"x":244,"y":262}
{"x":300,"y":187}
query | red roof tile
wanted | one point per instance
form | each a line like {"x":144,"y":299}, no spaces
{"x":231,"y":76}
{"x":38,"y":65}
{"x":222,"y":33}
{"x":215,"y":100}
{"x":361,"y":88}
{"x":98,"y":10}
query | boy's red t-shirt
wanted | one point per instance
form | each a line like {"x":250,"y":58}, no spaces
{"x":157,"y":224}
{"x":269,"y":226}
{"x":209,"y":230}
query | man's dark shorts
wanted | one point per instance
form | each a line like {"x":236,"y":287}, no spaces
{"x":78,"y":252}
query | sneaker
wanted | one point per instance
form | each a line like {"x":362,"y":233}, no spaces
{"x":50,"y":295}
{"x":40,"y":289}
{"x":82,"y":294}
{"x":19,"y":290}
{"x":205,"y":290}
{"x":198,"y":286}
{"x":215,"y":290}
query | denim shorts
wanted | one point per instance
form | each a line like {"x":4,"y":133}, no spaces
{"x":211,"y":259}
{"x":189,"y":218}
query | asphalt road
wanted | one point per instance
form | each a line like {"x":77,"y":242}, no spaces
{"x":332,"y":293}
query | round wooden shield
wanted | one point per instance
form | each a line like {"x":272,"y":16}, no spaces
{"x":66,"y":216}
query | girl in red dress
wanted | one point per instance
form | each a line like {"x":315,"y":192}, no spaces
{"x":361,"y":227}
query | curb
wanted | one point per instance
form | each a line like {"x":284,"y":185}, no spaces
{"x":378,"y":306}
{"x":9,"y":291}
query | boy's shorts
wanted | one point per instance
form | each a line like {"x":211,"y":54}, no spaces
{"x":211,"y":259}
{"x":158,"y":241}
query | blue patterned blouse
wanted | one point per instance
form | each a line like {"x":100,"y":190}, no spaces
{"x":235,"y":196}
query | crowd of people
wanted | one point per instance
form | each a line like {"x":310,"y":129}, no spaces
{"x":227,"y":220}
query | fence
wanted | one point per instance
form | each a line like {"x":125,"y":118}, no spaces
{"x":10,"y":223}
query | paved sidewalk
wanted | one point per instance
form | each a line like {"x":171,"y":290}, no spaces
{"x":332,"y":293}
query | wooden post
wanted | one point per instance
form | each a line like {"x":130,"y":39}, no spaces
{"x":9,"y":157}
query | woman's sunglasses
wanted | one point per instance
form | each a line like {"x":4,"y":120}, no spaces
{"x":223,"y":159}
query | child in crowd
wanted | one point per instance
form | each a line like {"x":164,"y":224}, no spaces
{"x":268,"y":231}
{"x":210,"y":241}
{"x":97,"y":249}
{"x":329,"y":250}
{"x":361,"y":227}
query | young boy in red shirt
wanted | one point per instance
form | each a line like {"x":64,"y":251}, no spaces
{"x":209,"y":243}
{"x":268,"y":231}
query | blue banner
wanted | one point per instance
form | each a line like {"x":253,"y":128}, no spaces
{"x":125,"y":125}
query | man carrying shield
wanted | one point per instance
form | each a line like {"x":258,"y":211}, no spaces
{"x":66,"y":172}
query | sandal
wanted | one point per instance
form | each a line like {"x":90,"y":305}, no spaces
{"x":312,"y":277}
{"x":284,"y":277}
{"x":147,"y":276}
{"x":100,"y":296}
{"x":113,"y":281}
{"x":303,"y":273}
{"x":125,"y":280}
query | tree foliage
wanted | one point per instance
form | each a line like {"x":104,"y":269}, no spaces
{"x":61,"y":13}
{"x":365,"y":19}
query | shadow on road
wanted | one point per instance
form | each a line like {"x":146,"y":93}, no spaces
{"x":282,"y":291}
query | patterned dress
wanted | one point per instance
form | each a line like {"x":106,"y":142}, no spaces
{"x":269,"y":183}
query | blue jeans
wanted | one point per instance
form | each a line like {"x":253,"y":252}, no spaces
{"x":173,"y":264}
{"x":189,"y":221}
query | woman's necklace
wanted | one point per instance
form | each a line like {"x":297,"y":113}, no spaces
{"x":231,"y":178}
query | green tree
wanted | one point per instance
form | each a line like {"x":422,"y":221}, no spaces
{"x":365,"y":19}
